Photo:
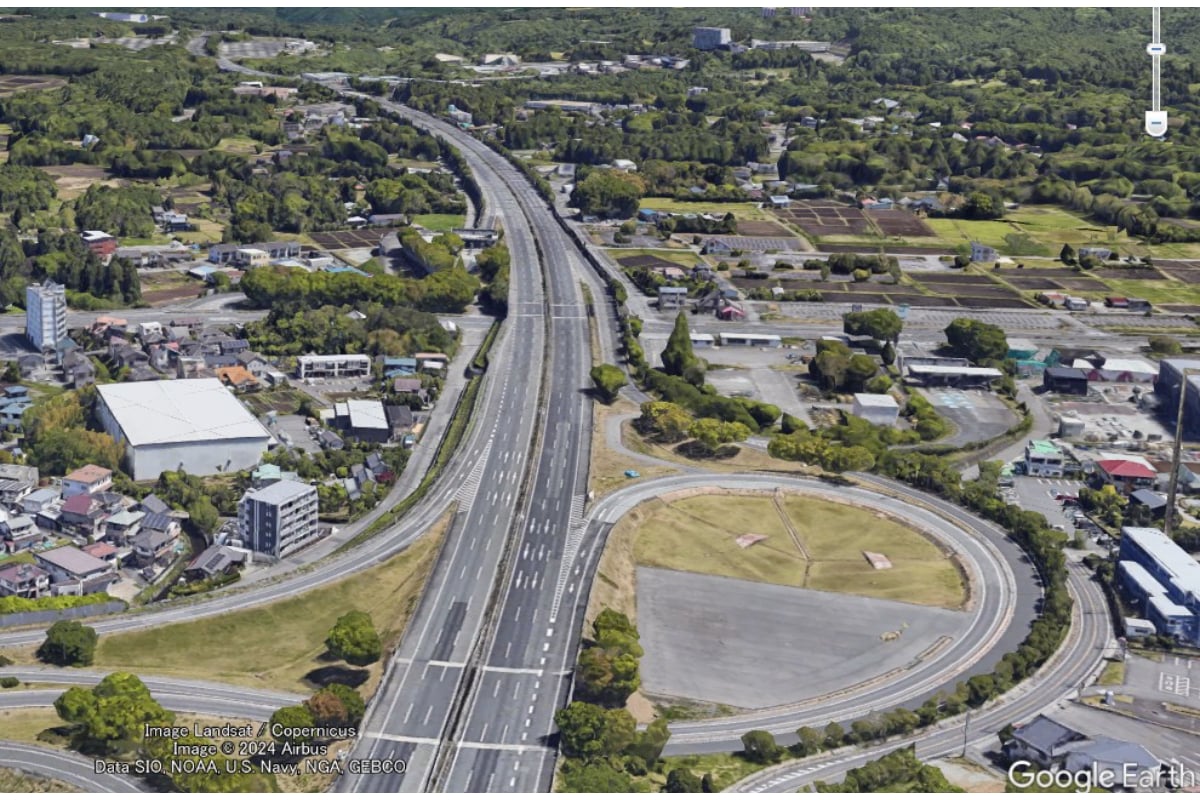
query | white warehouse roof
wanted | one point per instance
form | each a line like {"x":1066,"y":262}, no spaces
{"x":166,"y":412}
{"x":367,"y":414}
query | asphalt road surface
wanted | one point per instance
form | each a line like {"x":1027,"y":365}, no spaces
{"x":66,"y":767}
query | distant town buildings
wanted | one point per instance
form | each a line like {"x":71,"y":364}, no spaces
{"x":46,"y":315}
{"x":278,"y":518}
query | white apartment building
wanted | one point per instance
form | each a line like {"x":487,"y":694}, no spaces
{"x":46,"y":314}
{"x":279,"y":518}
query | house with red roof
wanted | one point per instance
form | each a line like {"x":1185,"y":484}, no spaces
{"x":1126,"y":474}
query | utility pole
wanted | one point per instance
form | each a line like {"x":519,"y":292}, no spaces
{"x":1175,"y":452}
{"x":966,"y":730}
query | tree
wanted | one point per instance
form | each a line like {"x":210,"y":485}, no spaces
{"x":203,"y":514}
{"x":354,"y":640}
{"x":760,"y":747}
{"x":112,"y":715}
{"x":810,"y":741}
{"x":977,"y":341}
{"x":336,"y":705}
{"x":1067,"y":255}
{"x":1165,"y":345}
{"x":834,"y":734}
{"x":648,"y":744}
{"x":961,"y":261}
{"x":981,"y":205}
{"x":683,"y":781}
{"x":589,"y":731}
{"x":888,"y":355}
{"x":881,"y":324}
{"x":608,"y":380}
{"x":69,"y":644}
{"x":295,"y":720}
{"x":594,"y":777}
{"x":678,"y":358}
{"x":663,"y":422}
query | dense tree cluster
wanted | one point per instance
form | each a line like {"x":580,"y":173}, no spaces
{"x":608,"y":664}
{"x":898,"y":771}
{"x":57,"y":439}
{"x":608,"y":193}
{"x":447,"y":291}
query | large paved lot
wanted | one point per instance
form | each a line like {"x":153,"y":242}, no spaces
{"x":977,"y":415}
{"x":1038,"y":494}
{"x":754,"y":645}
{"x":1176,"y":679}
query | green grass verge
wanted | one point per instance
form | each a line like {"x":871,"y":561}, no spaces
{"x":725,"y":768}
{"x":440,"y":222}
{"x":1154,"y":291}
{"x":276,"y":645}
{"x":1113,"y":674}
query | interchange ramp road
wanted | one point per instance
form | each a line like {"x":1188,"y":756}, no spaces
{"x":228,"y":696}
{"x":1004,"y":599}
{"x":1077,"y":661}
{"x":184,"y":703}
{"x":459,"y":703}
{"x":66,"y":767}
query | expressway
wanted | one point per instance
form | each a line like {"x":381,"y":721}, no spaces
{"x":467,"y":710}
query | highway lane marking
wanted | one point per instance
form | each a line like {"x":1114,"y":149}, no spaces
{"x":397,"y":737}
{"x":515,"y":670}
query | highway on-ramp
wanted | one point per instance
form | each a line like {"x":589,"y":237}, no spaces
{"x":63,"y":766}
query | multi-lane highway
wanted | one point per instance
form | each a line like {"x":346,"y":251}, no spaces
{"x":66,"y":767}
{"x":470,"y":698}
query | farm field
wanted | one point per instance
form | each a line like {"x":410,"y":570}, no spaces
{"x":680,"y":258}
{"x":11,"y":84}
{"x":742,"y":211}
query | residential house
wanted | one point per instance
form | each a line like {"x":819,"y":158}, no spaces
{"x":379,"y":468}
{"x":123,"y":526}
{"x":266,"y":474}
{"x":24,"y":580}
{"x":982,"y":252}
{"x":78,"y":369}
{"x":73,"y":571}
{"x":162,"y":523}
{"x":87,"y":480}
{"x":1041,"y":741}
{"x":1133,"y":767}
{"x":16,"y":481}
{"x":103,"y":551}
{"x":670,"y":297}
{"x":406,"y":385}
{"x":83,"y":515}
{"x":394,"y":366}
{"x":12,"y":412}
{"x":238,"y":378}
{"x":153,"y":547}
{"x":39,"y":500}
{"x":255,"y":364}
{"x":330,"y":440}
{"x":400,"y":420}
{"x":152,"y":504}
{"x":216,"y":560}
{"x":432,"y":362}
{"x":20,"y":532}
{"x":231,"y":347}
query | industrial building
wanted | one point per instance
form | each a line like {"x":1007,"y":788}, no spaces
{"x":365,"y":420}
{"x":279,"y":518}
{"x":1118,"y":370}
{"x":1065,"y":380}
{"x":944,"y":375}
{"x":878,"y":409}
{"x":195,"y":425}
{"x":1170,"y":376}
{"x":1164,"y":579}
{"x":46,"y":315}
{"x":1043,"y":459}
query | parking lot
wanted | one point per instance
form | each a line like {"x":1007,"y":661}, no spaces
{"x":1175,"y":679}
{"x":1039,"y":494}
{"x":977,"y":415}
{"x":293,"y":426}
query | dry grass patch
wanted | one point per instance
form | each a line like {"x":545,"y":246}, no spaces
{"x":606,"y":472}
